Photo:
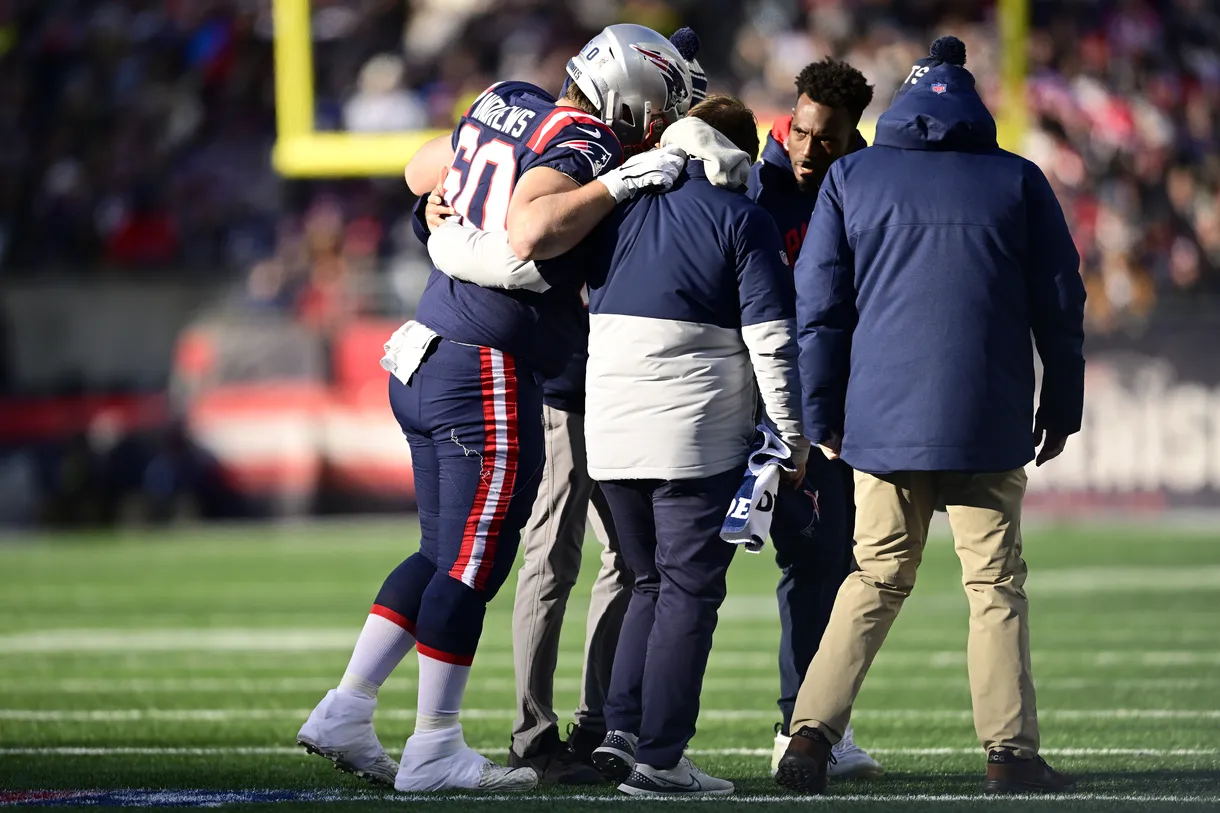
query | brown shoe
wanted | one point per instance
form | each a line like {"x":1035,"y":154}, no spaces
{"x":802,"y":768}
{"x":1006,"y":773}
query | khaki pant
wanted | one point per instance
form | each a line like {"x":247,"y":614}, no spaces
{"x":553,"y":540}
{"x":892,"y":516}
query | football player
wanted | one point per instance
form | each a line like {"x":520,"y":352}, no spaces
{"x":813,"y":526}
{"x":465,"y":384}
{"x":553,"y":539}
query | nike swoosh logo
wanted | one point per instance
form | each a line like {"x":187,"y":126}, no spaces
{"x":587,"y":131}
{"x":693,"y":784}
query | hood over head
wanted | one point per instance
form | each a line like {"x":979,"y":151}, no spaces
{"x":937,"y":107}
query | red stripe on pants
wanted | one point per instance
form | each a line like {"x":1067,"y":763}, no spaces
{"x":470,"y":536}
{"x":390,"y":615}
{"x":446,"y":657}
{"x":509,"y":481}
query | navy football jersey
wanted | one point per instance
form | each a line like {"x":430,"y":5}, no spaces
{"x":510,"y":129}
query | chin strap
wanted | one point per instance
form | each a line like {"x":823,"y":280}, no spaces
{"x":656,"y":128}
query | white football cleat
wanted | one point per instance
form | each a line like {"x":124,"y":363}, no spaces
{"x":779,"y":748}
{"x":340,"y":728}
{"x":850,"y":761}
{"x":684,"y":779}
{"x":441,"y":760}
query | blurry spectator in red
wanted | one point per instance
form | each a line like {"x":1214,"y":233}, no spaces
{"x":327,"y":301}
{"x":145,"y":237}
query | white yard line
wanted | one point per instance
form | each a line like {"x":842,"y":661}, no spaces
{"x":216,"y":798}
{"x":281,"y":642}
{"x":231,"y":714}
{"x":240,"y":685}
{"x":123,"y":751}
{"x":1125,"y":579}
{"x":278,"y":750}
{"x":830,"y":799}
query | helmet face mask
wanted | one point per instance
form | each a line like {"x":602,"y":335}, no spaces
{"x":636,"y":79}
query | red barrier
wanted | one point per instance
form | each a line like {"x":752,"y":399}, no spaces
{"x":34,"y":420}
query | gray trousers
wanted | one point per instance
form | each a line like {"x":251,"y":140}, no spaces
{"x":553,"y":540}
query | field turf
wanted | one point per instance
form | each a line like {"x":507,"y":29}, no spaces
{"x":187,"y":659}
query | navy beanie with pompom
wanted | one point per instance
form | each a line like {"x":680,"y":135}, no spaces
{"x":687,"y":43}
{"x":945,"y":51}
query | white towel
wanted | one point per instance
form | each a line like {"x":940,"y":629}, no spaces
{"x":724,"y":164}
{"x":748,"y":521}
{"x":406,"y":348}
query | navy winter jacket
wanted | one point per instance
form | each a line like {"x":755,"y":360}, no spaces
{"x":930,"y":258}
{"x":691,"y":308}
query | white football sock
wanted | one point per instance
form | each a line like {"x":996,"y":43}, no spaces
{"x":441,"y":687}
{"x":381,"y":646}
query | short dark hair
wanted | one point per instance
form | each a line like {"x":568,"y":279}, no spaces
{"x":575,"y":97}
{"x":835,"y":84}
{"x":729,"y":116}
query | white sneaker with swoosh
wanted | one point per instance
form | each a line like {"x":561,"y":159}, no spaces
{"x":850,"y":761}
{"x":684,"y":779}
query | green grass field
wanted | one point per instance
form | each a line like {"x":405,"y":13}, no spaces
{"x":188,"y":659}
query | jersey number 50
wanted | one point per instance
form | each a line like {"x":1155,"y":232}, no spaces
{"x":469,"y":172}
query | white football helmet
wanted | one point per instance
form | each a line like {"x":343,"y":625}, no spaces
{"x":636,"y":78}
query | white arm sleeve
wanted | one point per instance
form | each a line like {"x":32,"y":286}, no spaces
{"x":483,"y":258}
{"x":773,"y":352}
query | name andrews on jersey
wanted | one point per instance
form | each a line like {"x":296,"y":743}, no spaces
{"x":496,"y":114}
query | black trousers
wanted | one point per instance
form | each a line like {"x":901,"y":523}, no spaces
{"x":814,"y":554}
{"x":669,"y":531}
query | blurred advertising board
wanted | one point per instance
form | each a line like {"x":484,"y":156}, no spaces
{"x":1151,"y":433}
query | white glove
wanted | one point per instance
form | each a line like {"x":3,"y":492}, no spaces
{"x":651,"y":171}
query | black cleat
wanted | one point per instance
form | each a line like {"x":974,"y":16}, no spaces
{"x":583,"y":741}
{"x":556,"y":763}
{"x":803,"y":766}
{"x":1007,"y":773}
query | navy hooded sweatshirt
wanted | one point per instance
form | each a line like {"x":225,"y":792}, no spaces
{"x":930,"y":259}
{"x":773,"y":187}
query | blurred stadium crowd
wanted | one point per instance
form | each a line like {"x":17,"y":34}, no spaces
{"x":138,"y":134}
{"x":138,"y":131}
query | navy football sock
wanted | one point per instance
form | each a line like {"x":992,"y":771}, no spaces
{"x":403,"y":589}
{"x":450,"y":620}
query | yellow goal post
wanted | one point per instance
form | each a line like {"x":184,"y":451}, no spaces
{"x":302,"y":152}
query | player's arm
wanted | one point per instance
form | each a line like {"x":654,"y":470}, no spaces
{"x":472,"y":255}
{"x":550,"y":212}
{"x":482,"y":258}
{"x":768,"y":328}
{"x":427,"y":163}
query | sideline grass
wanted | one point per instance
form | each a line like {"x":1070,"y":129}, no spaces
{"x":120,"y":654}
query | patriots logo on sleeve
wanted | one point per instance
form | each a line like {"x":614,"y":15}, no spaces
{"x":676,"y":90}
{"x":598,"y":156}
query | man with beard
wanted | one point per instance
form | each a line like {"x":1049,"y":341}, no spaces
{"x":812,"y":529}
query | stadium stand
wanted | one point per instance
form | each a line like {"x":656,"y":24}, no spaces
{"x":138,"y":137}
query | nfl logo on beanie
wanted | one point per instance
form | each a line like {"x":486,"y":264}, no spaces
{"x":946,"y":50}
